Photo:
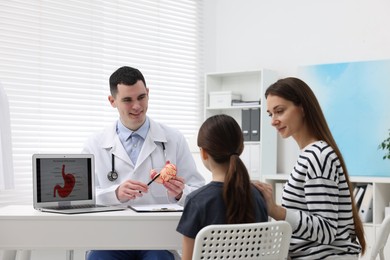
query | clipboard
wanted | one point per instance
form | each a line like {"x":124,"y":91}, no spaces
{"x":157,"y":208}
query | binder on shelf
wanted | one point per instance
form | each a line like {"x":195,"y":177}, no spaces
{"x":365,"y":210}
{"x":355,"y":190}
{"x":255,"y":124}
{"x":246,"y":124}
{"x":359,"y":196}
{"x":250,"y":124}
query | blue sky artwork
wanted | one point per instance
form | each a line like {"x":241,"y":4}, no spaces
{"x":355,"y":98}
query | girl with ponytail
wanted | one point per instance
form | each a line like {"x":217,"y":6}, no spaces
{"x":230,"y":198}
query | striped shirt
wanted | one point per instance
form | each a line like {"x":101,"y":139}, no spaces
{"x":319,"y":206}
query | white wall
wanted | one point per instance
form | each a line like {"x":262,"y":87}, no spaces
{"x":284,"y":34}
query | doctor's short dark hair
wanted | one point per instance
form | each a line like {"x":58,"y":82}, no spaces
{"x":125,"y":75}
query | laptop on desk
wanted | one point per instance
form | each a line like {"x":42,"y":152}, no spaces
{"x":65,"y":183}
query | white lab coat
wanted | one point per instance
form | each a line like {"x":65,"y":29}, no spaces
{"x":107,"y":142}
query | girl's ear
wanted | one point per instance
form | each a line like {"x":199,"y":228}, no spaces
{"x":203,"y":154}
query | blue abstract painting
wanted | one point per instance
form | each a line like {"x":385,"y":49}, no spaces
{"x":355,"y":98}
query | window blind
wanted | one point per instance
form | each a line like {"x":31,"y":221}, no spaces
{"x":56,"y":58}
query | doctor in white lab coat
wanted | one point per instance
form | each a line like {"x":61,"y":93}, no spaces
{"x":156,"y":144}
{"x":161,"y":144}
{"x":129,"y":149}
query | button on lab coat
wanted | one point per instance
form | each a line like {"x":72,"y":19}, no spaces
{"x":106,"y":143}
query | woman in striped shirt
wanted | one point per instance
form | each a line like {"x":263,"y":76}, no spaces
{"x":316,"y":199}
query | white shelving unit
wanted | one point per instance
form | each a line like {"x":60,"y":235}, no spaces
{"x":258,"y":156}
{"x":381,"y":199}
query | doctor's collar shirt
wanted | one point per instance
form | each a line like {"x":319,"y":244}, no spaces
{"x":132,"y":141}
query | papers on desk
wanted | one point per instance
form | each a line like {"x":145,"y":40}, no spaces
{"x":157,"y":208}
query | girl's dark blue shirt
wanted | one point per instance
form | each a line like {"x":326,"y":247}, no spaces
{"x":205,"y":206}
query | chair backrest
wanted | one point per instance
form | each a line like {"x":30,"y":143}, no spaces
{"x":265,"y":240}
{"x":381,"y":239}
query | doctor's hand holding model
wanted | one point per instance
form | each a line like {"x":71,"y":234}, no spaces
{"x":127,"y":151}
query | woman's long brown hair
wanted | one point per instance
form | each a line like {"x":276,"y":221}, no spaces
{"x":221,"y":137}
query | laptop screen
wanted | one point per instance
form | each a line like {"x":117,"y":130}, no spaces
{"x":64,"y":178}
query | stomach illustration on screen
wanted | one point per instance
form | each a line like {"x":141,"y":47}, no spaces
{"x":69,"y":183}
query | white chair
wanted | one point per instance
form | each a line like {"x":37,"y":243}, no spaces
{"x":265,"y":240}
{"x":381,"y":239}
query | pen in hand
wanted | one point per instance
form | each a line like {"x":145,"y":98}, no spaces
{"x":152,"y":180}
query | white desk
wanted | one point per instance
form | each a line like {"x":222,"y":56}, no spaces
{"x":22,"y":227}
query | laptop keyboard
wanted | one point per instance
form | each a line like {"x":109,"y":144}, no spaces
{"x":85,"y":206}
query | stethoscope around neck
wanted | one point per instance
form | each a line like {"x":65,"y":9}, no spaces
{"x":113,"y":174}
